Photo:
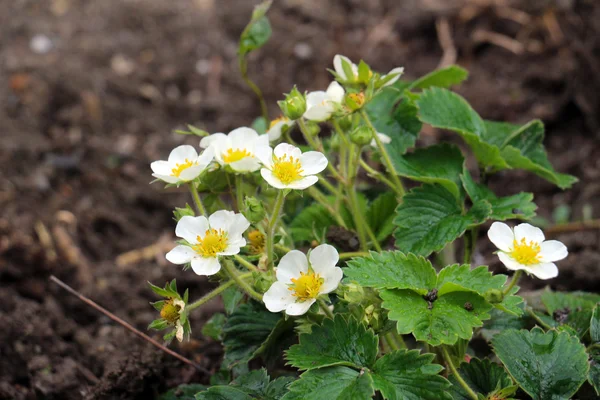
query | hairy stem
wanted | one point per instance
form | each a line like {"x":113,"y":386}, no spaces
{"x":321,"y":199}
{"x":309,"y":139}
{"x":215,"y":292}
{"x":459,"y":378}
{"x":537,"y":319}
{"x":470,"y":242}
{"x":271,"y":228}
{"x":515,"y":279}
{"x":199,"y":206}
{"x":232,"y":272}
{"x":245,"y":263}
{"x":389,"y":338}
{"x":243,"y":63}
{"x":239,"y":194}
{"x":325,"y":307}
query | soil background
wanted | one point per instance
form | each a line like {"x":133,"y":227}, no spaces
{"x":91,"y":91}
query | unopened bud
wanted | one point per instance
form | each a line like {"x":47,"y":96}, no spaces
{"x":362,"y":135}
{"x":494,"y":296}
{"x":355,"y":101}
{"x":294,"y":104}
{"x":254,"y":212}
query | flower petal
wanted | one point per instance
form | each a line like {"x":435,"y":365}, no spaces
{"x":166,"y":178}
{"x":181,"y":254}
{"x":299,"y":308}
{"x":264,"y":155}
{"x":552,"y":250}
{"x":286,"y":149}
{"x":278,"y":297}
{"x":191,"y":173}
{"x":529,"y":233}
{"x":313,"y":162}
{"x":221,"y":219}
{"x":239,"y":224}
{"x":232,"y":249}
{"x":191,"y":227}
{"x":272,"y":179}
{"x":274,"y":132}
{"x":303,"y":183}
{"x":210,"y":139}
{"x":544,"y":270}
{"x":338,"y":67}
{"x":243,"y":136}
{"x":206,"y":158}
{"x":336,"y":92}
{"x":246,"y":164}
{"x":206,"y":265}
{"x":291,"y":265}
{"x":501,"y":235}
{"x":316,"y":98}
{"x":181,"y":153}
{"x":332,"y":279}
{"x":323,"y":258}
{"x":510,"y":262}
{"x":161,"y":167}
{"x":319,"y":113}
{"x":398,"y":71}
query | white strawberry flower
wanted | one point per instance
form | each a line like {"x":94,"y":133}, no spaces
{"x":320,"y":105}
{"x":287,"y":167}
{"x":525,"y":248}
{"x":208,"y":238}
{"x":277,"y":127}
{"x":339,"y":69}
{"x":385,"y":139}
{"x":299,"y":284}
{"x":184,"y":165}
{"x":236,"y":149}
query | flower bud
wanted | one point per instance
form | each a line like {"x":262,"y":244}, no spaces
{"x":254,"y":211}
{"x":334,"y":143}
{"x":294,"y":104}
{"x":345,"y":122}
{"x":362,"y":135}
{"x":353,"y":293}
{"x":494,"y":296}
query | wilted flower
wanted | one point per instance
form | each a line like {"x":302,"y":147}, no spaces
{"x":184,"y":165}
{"x":299,"y":284}
{"x":525,"y":248}
{"x":208,"y":238}
{"x":236,"y":149}
{"x":287,"y":167}
{"x":320,"y":105}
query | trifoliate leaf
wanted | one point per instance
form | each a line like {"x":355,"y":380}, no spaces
{"x":405,"y":374}
{"x":595,"y":325}
{"x":483,"y":376}
{"x":380,"y":215}
{"x":245,"y":330}
{"x":594,"y":374}
{"x":253,"y":385}
{"x":333,"y":383}
{"x":547,"y":366}
{"x":519,"y":206}
{"x":443,"y":321}
{"x":442,"y":163}
{"x":213,"y":328}
{"x":392,"y":270}
{"x":430,"y":217}
{"x":445,"y":77}
{"x":341,"y":341}
{"x":183,"y":392}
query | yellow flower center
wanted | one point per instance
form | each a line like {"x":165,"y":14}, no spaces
{"x":232,"y":155}
{"x":287,"y":169}
{"x":358,"y":98}
{"x":526,"y":253}
{"x":179,"y":168}
{"x":278,"y":120}
{"x":257,"y":242}
{"x":307,"y":286}
{"x":214,"y":241}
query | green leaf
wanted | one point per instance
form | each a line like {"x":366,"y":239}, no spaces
{"x":260,"y":125}
{"x":595,"y":325}
{"x":245,"y":330}
{"x":483,"y":376}
{"x":558,"y":300}
{"x":392,"y":270}
{"x":444,"y":109}
{"x":443,"y":321}
{"x":257,"y":32}
{"x":430,"y":217}
{"x":311,"y":223}
{"x":280,"y":339}
{"x":253,"y":385}
{"x":380,"y":215}
{"x":547,"y":366}
{"x":405,"y":374}
{"x":213,"y":328}
{"x":341,"y":341}
{"x":231,"y":298}
{"x":445,"y":77}
{"x":519,"y":206}
{"x":501,"y":321}
{"x":183,"y":392}
{"x":159,"y":324}
{"x":334,"y":383}
{"x":525,"y":150}
{"x":594,"y":374}
{"x":442,"y":163}
{"x":460,"y":277}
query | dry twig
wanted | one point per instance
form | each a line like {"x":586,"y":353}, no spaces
{"x":444,"y":34}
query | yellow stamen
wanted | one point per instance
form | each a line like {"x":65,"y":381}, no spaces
{"x":232,"y":155}
{"x":526,"y":253}
{"x":281,"y":118}
{"x":214,"y":241}
{"x":307,"y":286}
{"x":358,"y":98}
{"x":179,"y":168}
{"x":287,"y":168}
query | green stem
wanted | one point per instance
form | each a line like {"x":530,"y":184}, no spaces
{"x":239,"y":194}
{"x":386,"y":157}
{"x":215,"y":292}
{"x":271,"y":228}
{"x":283,"y":248}
{"x":459,"y":378}
{"x":199,"y":207}
{"x":515,"y":279}
{"x":232,"y":272}
{"x":324,"y":307}
{"x":399,"y":340}
{"x":321,"y":199}
{"x":309,"y":139}
{"x":243,"y":63}
{"x":246,"y":263}
{"x":345,"y":256}
{"x":470,"y":241}
{"x":323,"y":181}
{"x":379,"y":176}
{"x":388,"y":337}
{"x":537,"y":319}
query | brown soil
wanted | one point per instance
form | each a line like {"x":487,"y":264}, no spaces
{"x":81,"y":121}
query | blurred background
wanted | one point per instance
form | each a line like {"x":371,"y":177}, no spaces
{"x":91,"y":92}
